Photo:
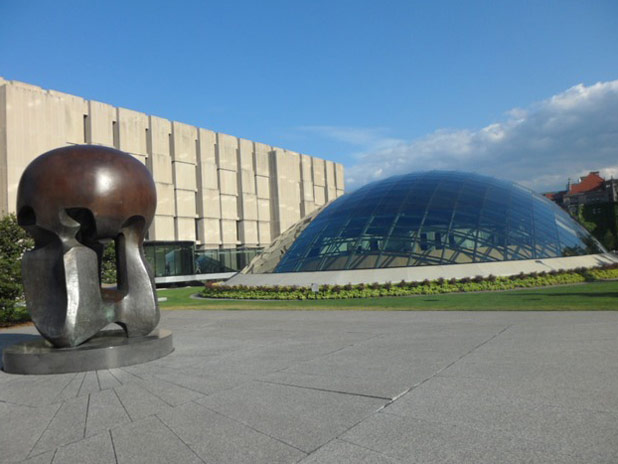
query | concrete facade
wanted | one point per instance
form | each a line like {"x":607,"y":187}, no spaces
{"x":215,"y":189}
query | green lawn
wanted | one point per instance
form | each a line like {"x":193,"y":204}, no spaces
{"x":590,"y":296}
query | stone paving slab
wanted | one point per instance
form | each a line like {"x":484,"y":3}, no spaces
{"x":334,"y":387}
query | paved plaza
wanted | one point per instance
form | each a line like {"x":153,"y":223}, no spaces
{"x":334,"y":387}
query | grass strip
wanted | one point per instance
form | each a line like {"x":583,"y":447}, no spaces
{"x":597,"y":296}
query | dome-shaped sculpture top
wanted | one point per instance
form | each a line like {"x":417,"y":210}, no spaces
{"x":436,"y":218}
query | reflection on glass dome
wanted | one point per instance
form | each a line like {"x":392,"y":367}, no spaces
{"x":434,"y":218}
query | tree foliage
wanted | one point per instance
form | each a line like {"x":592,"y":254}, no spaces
{"x":14,"y":242}
{"x":108,"y":264}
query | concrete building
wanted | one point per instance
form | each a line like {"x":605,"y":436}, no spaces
{"x":217,"y":190}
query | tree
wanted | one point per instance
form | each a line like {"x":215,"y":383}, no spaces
{"x":588,"y":225}
{"x":14,"y":242}
{"x":609,"y":241}
{"x":108,"y":263}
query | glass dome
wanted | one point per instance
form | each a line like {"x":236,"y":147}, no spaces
{"x":435,"y":218}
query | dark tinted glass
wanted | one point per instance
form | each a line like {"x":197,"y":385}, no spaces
{"x":435,"y":217}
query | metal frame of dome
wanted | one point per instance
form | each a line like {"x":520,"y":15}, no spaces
{"x":435,"y":218}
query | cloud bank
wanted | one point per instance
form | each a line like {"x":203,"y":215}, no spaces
{"x":540,"y":146}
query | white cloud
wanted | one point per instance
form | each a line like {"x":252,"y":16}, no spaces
{"x":564,"y":136}
{"x":369,"y":138}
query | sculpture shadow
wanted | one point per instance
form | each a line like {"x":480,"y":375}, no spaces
{"x":8,"y":339}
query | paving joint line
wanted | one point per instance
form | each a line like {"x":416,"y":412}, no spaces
{"x":111,"y":438}
{"x":96,"y":373}
{"x":87,"y":412}
{"x":65,"y":387}
{"x":362,"y":395}
{"x":122,"y":404}
{"x":144,"y":381}
{"x":165,"y":381}
{"x":45,"y":430}
{"x":117,"y":379}
{"x":370,"y":449}
{"x":181,"y":440}
{"x":261,"y":432}
{"x":79,"y":390}
{"x":323,"y":355}
{"x":179,"y":385}
{"x":435,"y":374}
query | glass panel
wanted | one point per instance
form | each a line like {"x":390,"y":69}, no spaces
{"x":435,"y":217}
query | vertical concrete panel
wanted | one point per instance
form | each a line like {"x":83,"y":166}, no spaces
{"x":339,"y":180}
{"x":319,"y":194}
{"x":248,"y":233}
{"x":185,"y":203}
{"x":132,"y":131}
{"x":185,"y":176}
{"x":285,"y":182}
{"x":245,"y":155}
{"x":292,"y":165}
{"x":228,"y":182}
{"x":72,"y":109}
{"x":229,"y":207}
{"x":248,"y":206}
{"x":229,"y":233}
{"x":166,"y":201}
{"x":306,"y":180}
{"x":161,"y":168}
{"x":160,"y":133}
{"x":162,"y":228}
{"x":331,"y":186}
{"x":211,"y":203}
{"x":209,"y":232}
{"x":184,"y":143}
{"x":35,"y":124}
{"x":262,"y":187}
{"x":207,"y":146}
{"x":263,"y":210}
{"x":101,"y":119}
{"x":227,"y":147}
{"x":319,"y":176}
{"x":307,"y":207}
{"x":185,"y":228}
{"x":264,"y":235}
{"x":261,"y":159}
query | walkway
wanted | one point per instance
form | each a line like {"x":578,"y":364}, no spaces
{"x":334,"y":387}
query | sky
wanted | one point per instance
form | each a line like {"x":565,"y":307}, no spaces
{"x":522,"y":90}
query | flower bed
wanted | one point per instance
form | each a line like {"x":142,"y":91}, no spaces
{"x":427,"y":287}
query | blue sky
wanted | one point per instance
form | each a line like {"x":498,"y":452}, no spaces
{"x":378,"y":86}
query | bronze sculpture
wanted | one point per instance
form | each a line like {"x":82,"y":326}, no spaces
{"x":72,"y":200}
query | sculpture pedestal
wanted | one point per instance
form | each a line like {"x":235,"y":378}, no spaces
{"x":106,"y":350}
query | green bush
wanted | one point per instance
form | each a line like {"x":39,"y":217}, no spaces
{"x":426,"y":287}
{"x":14,"y":242}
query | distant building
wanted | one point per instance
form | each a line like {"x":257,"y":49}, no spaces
{"x":591,"y":189}
{"x":594,"y":200}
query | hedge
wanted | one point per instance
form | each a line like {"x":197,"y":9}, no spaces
{"x":427,"y":287}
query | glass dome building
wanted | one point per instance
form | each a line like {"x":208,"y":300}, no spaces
{"x":434,"y":218}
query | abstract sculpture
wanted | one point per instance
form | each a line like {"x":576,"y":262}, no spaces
{"x":73,"y":200}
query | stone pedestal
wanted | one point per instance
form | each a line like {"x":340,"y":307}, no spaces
{"x":106,"y":350}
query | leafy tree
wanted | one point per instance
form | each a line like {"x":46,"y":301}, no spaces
{"x":108,"y":264}
{"x":14,"y":242}
{"x":588,"y":225}
{"x":609,"y":241}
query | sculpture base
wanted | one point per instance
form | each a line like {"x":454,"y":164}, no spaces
{"x":106,"y":350}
